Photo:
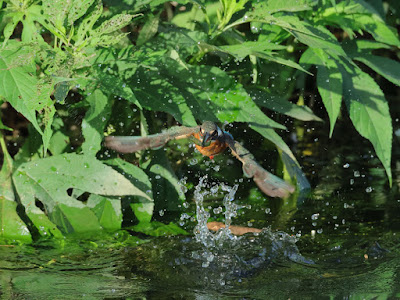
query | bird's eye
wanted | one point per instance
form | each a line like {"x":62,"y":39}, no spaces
{"x":215,"y":133}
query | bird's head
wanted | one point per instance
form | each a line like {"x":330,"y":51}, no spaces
{"x":209,"y":131}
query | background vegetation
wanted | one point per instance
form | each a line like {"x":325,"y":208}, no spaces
{"x":72,"y":71}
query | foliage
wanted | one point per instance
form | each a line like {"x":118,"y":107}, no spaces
{"x":134,"y":65}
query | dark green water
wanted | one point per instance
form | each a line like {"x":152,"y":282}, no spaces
{"x":348,"y":245}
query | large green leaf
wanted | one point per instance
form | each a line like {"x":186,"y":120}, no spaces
{"x":142,"y":207}
{"x":330,"y":86}
{"x":18,"y":82}
{"x":107,"y":210}
{"x":11,"y":226}
{"x":369,"y":112}
{"x":202,"y":91}
{"x":167,"y":192}
{"x":49,"y":179}
{"x":388,"y":68}
{"x":94,"y":122}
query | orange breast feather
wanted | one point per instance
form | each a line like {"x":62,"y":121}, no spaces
{"x":214,"y":148}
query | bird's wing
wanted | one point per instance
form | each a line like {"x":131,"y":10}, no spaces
{"x":267,"y":182}
{"x":130,"y":144}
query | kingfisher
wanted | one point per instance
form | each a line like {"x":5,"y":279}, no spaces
{"x":209,"y":140}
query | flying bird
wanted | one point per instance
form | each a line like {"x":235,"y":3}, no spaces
{"x":210,"y":140}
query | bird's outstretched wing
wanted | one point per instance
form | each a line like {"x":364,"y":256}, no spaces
{"x":267,"y":182}
{"x":130,"y":144}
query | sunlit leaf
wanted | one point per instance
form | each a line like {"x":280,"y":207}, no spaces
{"x":143,"y":208}
{"x":17,"y":81}
{"x":388,"y":68}
{"x":273,"y":6}
{"x":369,"y":112}
{"x":330,"y":86}
{"x":11,"y":226}
{"x":107,"y":210}
{"x":49,"y":179}
{"x":94,"y":122}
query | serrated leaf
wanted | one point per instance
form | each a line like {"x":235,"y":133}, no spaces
{"x":94,"y":122}
{"x":8,"y":30}
{"x":49,"y":179}
{"x":88,"y":22}
{"x":77,"y":10}
{"x":17,"y":82}
{"x":115,"y":23}
{"x":369,"y":112}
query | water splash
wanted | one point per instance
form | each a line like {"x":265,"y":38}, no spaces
{"x":241,"y":253}
{"x":202,"y":234}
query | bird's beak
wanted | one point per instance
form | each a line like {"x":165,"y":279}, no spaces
{"x":205,"y":142}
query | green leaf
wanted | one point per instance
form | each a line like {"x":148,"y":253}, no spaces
{"x":88,"y":22}
{"x":244,"y":49}
{"x":202,"y":91}
{"x":282,"y":105}
{"x":149,"y":29}
{"x":166,"y":188}
{"x":388,"y":68}
{"x":49,"y":179}
{"x":142,"y":207}
{"x":369,"y":112}
{"x":8,"y":30}
{"x":115,"y":23}
{"x":261,"y":49}
{"x":379,"y":30}
{"x":113,"y":85}
{"x":107,"y":210}
{"x":94,"y":122}
{"x":330,"y":86}
{"x":77,"y":10}
{"x":11,"y":226}
{"x":30,"y":31}
{"x":273,"y":6}
{"x":17,"y":80}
